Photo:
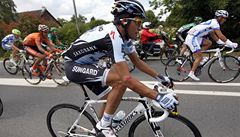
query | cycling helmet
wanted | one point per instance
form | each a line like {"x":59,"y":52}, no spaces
{"x":53,"y":29}
{"x":198,"y":19}
{"x":16,"y":32}
{"x":221,"y":13}
{"x":43,"y":28}
{"x":130,"y":7}
{"x":146,"y":25}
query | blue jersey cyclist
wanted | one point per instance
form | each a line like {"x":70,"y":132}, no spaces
{"x":113,"y":40}
{"x":196,"y":42}
{"x":11,"y":43}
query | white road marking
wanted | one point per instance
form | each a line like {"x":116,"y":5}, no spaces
{"x":23,"y":82}
{"x":50,"y":83}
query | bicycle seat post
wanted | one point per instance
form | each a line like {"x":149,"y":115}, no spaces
{"x":85,"y":92}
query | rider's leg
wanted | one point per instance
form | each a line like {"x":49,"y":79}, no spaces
{"x":183,"y":49}
{"x":113,"y":98}
{"x":198,"y":57}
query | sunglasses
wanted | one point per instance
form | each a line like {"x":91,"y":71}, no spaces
{"x":138,"y":21}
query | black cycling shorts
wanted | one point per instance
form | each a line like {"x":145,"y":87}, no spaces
{"x":91,"y":75}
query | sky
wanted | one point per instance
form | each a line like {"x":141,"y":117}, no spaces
{"x":100,"y":9}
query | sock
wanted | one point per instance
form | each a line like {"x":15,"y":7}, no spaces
{"x":106,"y":120}
{"x":191,"y":72}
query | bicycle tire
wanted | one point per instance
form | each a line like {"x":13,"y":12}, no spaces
{"x":224,"y":74}
{"x":173,"y":126}
{"x":1,"y":107}
{"x":169,"y":53}
{"x":27,"y":75}
{"x":176,"y":70}
{"x":10,"y":67}
{"x":56,"y":125}
{"x":57,"y":72}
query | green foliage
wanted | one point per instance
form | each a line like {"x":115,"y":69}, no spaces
{"x":68,"y":33}
{"x":184,"y":11}
{"x":152,"y":18}
{"x":7,"y":10}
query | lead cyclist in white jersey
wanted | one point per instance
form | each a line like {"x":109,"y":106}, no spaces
{"x":81,"y":62}
{"x":196,"y":41}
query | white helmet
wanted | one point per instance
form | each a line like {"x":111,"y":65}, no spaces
{"x":146,"y":25}
{"x":221,"y":13}
{"x":43,"y":28}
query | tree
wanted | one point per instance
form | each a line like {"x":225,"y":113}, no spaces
{"x":7,"y":11}
{"x":184,"y":11}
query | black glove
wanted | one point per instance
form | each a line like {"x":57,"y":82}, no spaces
{"x":166,"y":81}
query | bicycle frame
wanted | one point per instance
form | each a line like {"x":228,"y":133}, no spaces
{"x":144,"y":106}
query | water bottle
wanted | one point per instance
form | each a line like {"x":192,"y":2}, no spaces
{"x":118,"y":118}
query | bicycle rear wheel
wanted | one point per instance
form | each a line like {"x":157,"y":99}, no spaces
{"x":27,"y":75}
{"x":10,"y":67}
{"x":60,"y":120}
{"x":226,"y":71}
{"x":178,"y":68}
{"x":173,"y":126}
{"x":57,"y":73}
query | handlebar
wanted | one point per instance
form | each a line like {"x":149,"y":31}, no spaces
{"x":162,"y":117}
{"x":163,"y":89}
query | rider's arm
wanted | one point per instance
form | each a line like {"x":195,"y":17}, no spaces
{"x":51,"y":46}
{"x":224,"y":39}
{"x":131,"y":82}
{"x":218,"y":34}
{"x":40,"y":48}
{"x":142,"y":66}
{"x":149,"y":34}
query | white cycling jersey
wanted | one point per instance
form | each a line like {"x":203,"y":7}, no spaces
{"x":204,"y":28}
{"x":90,"y":46}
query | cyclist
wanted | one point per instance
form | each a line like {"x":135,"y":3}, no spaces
{"x":53,"y":37}
{"x":82,"y":62}
{"x":35,"y":44}
{"x":11,"y":42}
{"x":149,"y":39}
{"x":182,"y":32}
{"x":195,"y":38}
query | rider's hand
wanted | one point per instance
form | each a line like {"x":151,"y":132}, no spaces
{"x":231,"y":44}
{"x":50,"y":55}
{"x":167,"y":100}
{"x":166,"y":81}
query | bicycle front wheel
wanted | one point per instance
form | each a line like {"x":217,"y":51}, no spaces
{"x":27,"y":74}
{"x":173,"y":126}
{"x":61,"y":119}
{"x":225,"y":70}
{"x":178,"y":68}
{"x":10,"y":67}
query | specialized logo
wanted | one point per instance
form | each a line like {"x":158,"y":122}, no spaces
{"x":85,"y":70}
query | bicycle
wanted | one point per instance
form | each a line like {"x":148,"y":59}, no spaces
{"x":1,"y":107}
{"x":12,"y":67}
{"x":54,"y":70}
{"x":69,"y":120}
{"x":226,"y":65}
